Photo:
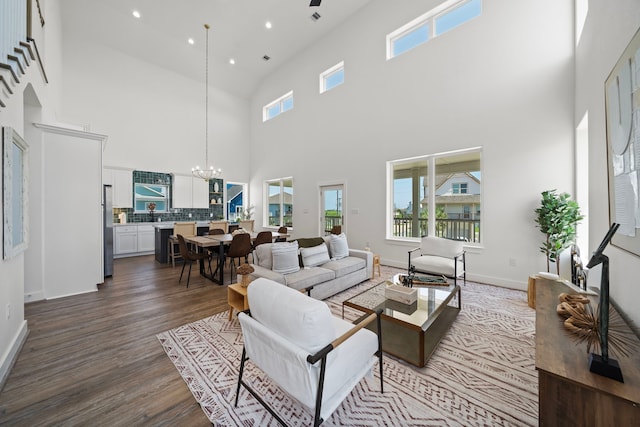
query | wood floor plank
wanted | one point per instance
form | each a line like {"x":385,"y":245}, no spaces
{"x":94,"y":359}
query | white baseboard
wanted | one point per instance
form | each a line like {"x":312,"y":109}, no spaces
{"x":34,"y":296}
{"x":12,"y":354}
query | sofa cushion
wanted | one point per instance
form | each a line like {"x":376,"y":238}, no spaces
{"x":315,"y":255}
{"x":344,"y":266}
{"x":339,"y":246}
{"x":285,"y":257}
{"x":308,"y":277}
{"x":262,"y":255}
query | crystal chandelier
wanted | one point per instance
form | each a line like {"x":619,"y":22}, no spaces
{"x":209,"y":172}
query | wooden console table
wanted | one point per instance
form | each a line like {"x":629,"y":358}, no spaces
{"x":568,"y":393}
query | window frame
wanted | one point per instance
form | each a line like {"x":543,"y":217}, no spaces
{"x":429,"y":193}
{"x":147,"y":200}
{"x":282,"y":182}
{"x":328,"y":73}
{"x":280,"y":102}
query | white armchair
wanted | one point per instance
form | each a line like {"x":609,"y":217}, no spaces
{"x":315,"y":357}
{"x":440,"y":256}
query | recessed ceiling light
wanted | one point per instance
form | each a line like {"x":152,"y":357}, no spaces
{"x":268,"y":24}
{"x":190,"y":41}
{"x":232,"y":61}
{"x":135,"y":14}
{"x":266,"y":57}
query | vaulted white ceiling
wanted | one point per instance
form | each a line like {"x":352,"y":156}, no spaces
{"x":238,"y":31}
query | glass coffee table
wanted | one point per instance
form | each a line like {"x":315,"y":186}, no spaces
{"x":411,"y":332}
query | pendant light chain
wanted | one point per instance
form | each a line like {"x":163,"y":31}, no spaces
{"x":209,"y":172}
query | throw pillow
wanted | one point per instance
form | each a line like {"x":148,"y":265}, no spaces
{"x":339,"y":246}
{"x":285,"y":257}
{"x":262,"y":254}
{"x":316,"y":255}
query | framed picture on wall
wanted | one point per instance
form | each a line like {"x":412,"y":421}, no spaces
{"x":14,"y":193}
{"x":622,"y":103}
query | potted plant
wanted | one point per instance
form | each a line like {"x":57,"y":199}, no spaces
{"x":557,"y":217}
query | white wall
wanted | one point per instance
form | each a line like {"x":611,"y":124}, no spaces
{"x":155,"y":119}
{"x":608,"y":29}
{"x":32,"y":100}
{"x":503,"y":81}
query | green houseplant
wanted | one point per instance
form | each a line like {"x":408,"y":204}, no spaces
{"x":557,"y":217}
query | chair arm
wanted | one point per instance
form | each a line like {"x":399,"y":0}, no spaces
{"x":413,"y":250}
{"x":313,"y":358}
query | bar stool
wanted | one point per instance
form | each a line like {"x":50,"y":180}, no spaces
{"x":187,"y":229}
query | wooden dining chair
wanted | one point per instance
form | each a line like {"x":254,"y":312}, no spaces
{"x":261,"y":238}
{"x":239,"y":248}
{"x":216,"y":231}
{"x":190,"y":257}
{"x":282,"y":230}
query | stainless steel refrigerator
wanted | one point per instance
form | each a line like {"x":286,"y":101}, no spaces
{"x":107,"y":220}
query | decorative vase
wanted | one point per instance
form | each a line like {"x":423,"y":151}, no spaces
{"x":244,"y":282}
{"x":215,"y":187}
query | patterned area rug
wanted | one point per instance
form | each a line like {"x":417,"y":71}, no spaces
{"x":482,"y":373}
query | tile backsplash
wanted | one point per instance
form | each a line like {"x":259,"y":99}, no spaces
{"x":146,"y":177}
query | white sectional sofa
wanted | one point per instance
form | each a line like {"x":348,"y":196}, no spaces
{"x":326,"y":264}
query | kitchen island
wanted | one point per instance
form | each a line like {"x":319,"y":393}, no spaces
{"x":162,"y":232}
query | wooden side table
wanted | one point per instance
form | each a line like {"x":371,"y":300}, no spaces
{"x":376,"y":262}
{"x":237,"y":298}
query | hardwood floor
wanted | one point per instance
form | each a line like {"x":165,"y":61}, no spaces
{"x":94,"y":359}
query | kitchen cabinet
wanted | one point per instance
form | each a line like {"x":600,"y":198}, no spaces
{"x":122,"y":182}
{"x":125,"y":239}
{"x":190,"y":192}
{"x":146,"y":239}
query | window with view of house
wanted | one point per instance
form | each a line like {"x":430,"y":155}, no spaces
{"x":445,"y":17}
{"x":147,"y":195}
{"x":437,"y":194}
{"x":279,"y":209}
{"x":332,"y":77}
{"x":277,"y":107}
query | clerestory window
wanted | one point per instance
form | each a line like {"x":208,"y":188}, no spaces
{"x":277,"y":107}
{"x":445,"y":17}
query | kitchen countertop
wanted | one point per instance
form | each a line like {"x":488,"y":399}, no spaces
{"x":161,"y":224}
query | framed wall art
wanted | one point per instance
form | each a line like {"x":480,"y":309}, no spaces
{"x":622,"y":103}
{"x":15,"y":198}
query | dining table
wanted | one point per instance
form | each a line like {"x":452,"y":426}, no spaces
{"x":212,"y":241}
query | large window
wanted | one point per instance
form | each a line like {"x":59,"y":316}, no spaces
{"x":279,"y":209}
{"x":277,"y":107}
{"x":446,"y":16}
{"x":437,"y":195}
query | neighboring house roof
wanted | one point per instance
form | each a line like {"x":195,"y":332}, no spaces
{"x":275,"y":199}
{"x":233,"y":192}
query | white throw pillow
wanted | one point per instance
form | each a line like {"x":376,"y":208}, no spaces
{"x":316,"y":255}
{"x":285,"y":257}
{"x":263,"y":255}
{"x":339,"y":246}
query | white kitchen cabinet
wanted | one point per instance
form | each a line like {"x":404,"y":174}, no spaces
{"x":200,"y":193}
{"x":122,"y":183}
{"x":125,"y":240}
{"x":146,"y":238}
{"x":190,"y":192}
